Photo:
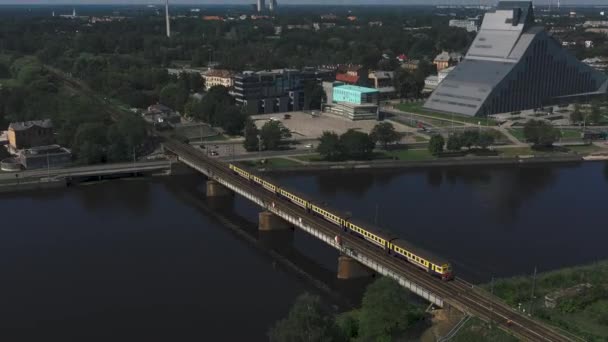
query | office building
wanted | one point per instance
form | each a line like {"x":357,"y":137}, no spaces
{"x":273,"y":6}
{"x":275,"y":91}
{"x":514,"y":65}
{"x":218,"y":77}
{"x":261,"y":6}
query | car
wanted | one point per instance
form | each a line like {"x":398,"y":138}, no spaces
{"x":274,"y":119}
{"x":309,"y":146}
{"x":202,"y":147}
{"x":214,"y":153}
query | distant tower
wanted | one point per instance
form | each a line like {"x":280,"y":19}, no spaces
{"x":558,"y":5}
{"x":167,"y":19}
{"x":261,"y":5}
{"x":273,"y":5}
{"x":74,"y":12}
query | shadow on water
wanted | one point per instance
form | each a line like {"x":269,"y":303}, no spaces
{"x":278,"y":246}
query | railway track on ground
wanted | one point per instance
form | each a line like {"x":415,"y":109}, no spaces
{"x":458,"y":293}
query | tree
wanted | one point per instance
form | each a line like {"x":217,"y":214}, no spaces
{"x":232,"y":119}
{"x":357,"y":145}
{"x":485,"y":139}
{"x":454,"y":143}
{"x":308,"y":321}
{"x":90,"y":142}
{"x":252,"y":141}
{"x":272,"y":135}
{"x":540,"y":133}
{"x":577,"y":115}
{"x":436,"y":144}
{"x":469,"y":138}
{"x":174,"y":96}
{"x":407,"y":85}
{"x":314,"y":95}
{"x":595,"y":115}
{"x":385,"y":134}
{"x":330,"y":147}
{"x":386,"y":311}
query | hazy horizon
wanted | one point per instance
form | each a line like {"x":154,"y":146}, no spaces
{"x":289,"y":2}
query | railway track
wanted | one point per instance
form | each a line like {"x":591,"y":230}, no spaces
{"x":458,"y":293}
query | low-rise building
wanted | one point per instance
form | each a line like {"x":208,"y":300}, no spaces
{"x":352,"y":102}
{"x":42,"y":157}
{"x":218,"y":77}
{"x":161,"y":114}
{"x":432,"y":82}
{"x":383,"y":82}
{"x":471,"y":25}
{"x":411,"y":65}
{"x":352,"y":74}
{"x":30,"y":134}
{"x":447,"y":59}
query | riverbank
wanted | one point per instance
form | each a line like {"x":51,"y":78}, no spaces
{"x":573,"y":299}
{"x":402,"y":164}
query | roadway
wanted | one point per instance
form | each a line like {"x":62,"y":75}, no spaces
{"x":90,"y":170}
{"x":458,"y":293}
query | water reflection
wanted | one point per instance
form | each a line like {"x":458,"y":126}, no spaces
{"x":355,"y":183}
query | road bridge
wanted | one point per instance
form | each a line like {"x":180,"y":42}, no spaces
{"x":100,"y":170}
{"x":457,"y":293}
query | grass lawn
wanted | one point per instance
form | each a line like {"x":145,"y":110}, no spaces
{"x":570,"y":134}
{"x":515,"y":151}
{"x":417,"y":109}
{"x":219,"y":137}
{"x":272,"y":163}
{"x":518,"y":133}
{"x":409,"y":155}
{"x":476,"y":330}
{"x":310,"y":158}
{"x":584,"y":149}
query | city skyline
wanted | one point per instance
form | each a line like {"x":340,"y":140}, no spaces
{"x":289,"y":2}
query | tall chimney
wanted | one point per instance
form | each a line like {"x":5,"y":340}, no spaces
{"x":167,"y":19}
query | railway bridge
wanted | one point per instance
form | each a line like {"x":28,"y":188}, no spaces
{"x":279,"y":213}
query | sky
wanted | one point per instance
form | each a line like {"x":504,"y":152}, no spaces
{"x":345,"y":2}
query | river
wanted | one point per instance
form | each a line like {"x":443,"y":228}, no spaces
{"x":140,"y":260}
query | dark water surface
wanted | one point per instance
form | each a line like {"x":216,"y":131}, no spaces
{"x":499,"y":221}
{"x":131,"y":261}
{"x":139,"y":260}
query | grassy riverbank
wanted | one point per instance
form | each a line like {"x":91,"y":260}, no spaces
{"x":584,"y":314}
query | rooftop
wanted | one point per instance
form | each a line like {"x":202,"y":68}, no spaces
{"x":362,"y":90}
{"x":21,"y":126}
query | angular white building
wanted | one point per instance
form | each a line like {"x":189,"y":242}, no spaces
{"x":514,"y":65}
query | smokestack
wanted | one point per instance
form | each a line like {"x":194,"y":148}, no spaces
{"x":167,"y":19}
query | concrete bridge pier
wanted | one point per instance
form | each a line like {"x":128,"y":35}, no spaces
{"x":215,"y":189}
{"x":349,"y":268}
{"x":269,"y":222}
{"x":274,"y":232}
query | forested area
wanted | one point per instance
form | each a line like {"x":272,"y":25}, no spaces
{"x":126,"y":61}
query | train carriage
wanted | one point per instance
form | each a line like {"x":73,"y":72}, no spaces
{"x":375,"y":235}
{"x":422,"y":258}
{"x":294,"y":197}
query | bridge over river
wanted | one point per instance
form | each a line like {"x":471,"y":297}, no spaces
{"x":457,"y":294}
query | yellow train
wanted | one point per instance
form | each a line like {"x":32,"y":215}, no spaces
{"x":390,"y":243}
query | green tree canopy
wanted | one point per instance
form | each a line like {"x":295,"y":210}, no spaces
{"x":386,"y":311}
{"x":330,"y":147}
{"x":454,"y":143}
{"x":436,"y":144}
{"x":357,"y":145}
{"x":540,"y":133}
{"x":272,"y":135}
{"x":251,"y":133}
{"x":308,"y":321}
{"x":384,"y":133}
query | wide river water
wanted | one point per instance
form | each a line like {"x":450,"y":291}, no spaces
{"x":140,"y":260}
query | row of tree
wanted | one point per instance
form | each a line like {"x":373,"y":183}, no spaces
{"x":385,"y":315}
{"x":595,"y":115}
{"x":272,"y":136}
{"x":457,"y":141}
